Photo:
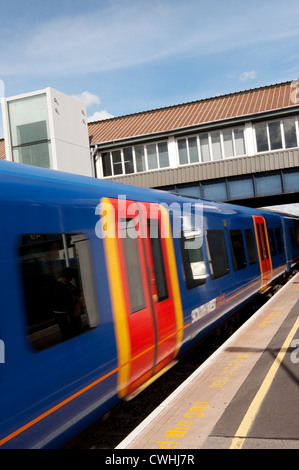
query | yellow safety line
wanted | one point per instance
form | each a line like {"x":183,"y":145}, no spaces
{"x":253,"y":409}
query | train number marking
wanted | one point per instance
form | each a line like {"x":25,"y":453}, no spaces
{"x":203,"y":310}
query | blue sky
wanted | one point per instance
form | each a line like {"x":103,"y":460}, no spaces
{"x":127,"y":56}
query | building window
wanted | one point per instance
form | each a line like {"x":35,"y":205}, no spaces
{"x":58,"y":287}
{"x":205,"y":148}
{"x":117,"y":162}
{"x":140,"y":158}
{"x":211,"y":146}
{"x":135,"y":159}
{"x":188,"y":150}
{"x":30,"y":131}
{"x":275,"y":135}
{"x":216,"y":146}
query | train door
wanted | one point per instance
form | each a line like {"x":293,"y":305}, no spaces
{"x":142,"y":277}
{"x":263,"y":250}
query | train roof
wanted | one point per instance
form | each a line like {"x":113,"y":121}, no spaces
{"x":68,"y":185}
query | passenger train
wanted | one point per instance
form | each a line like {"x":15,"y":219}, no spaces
{"x":104,"y":285}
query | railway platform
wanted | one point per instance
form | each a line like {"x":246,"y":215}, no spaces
{"x":244,"y":396}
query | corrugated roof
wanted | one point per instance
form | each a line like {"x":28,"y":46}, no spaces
{"x":233,"y":105}
{"x":2,"y":149}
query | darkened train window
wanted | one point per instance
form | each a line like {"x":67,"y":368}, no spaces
{"x":294,"y":233}
{"x":293,"y":237}
{"x":130,"y":244}
{"x":272,"y":241}
{"x":237,"y":249}
{"x":218,"y":253}
{"x":250,"y":246}
{"x":158,"y":260}
{"x":278,"y":240}
{"x":194,"y":264}
{"x":58,"y":287}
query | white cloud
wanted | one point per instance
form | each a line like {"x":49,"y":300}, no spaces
{"x":99,"y":116}
{"x":245,"y":76}
{"x":87,"y":98}
{"x":90,"y":99}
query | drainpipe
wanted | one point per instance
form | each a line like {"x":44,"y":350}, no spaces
{"x":93,"y":154}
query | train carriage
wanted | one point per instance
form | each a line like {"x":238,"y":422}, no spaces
{"x":104,"y":285}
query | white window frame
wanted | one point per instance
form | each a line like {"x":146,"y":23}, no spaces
{"x":281,"y":120}
{"x":135,"y":172}
{"x":223,"y":157}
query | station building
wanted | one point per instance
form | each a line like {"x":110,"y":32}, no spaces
{"x":241,"y":147}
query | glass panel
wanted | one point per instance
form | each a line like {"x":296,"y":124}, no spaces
{"x":128,"y":160}
{"x":261,"y":137}
{"x":216,"y":146}
{"x":238,"y":254}
{"x":116,"y":159}
{"x":291,"y":180}
{"x":268,"y":185}
{"x":133,"y":268}
{"x":36,"y":155}
{"x":241,"y":188}
{"x":183,"y":155}
{"x":28,"y":120}
{"x":163,"y":154}
{"x":228,"y":143}
{"x":239,"y":142}
{"x":204,"y":148}
{"x":264,"y":240}
{"x":260,"y":240}
{"x":290,"y":133}
{"x":192,"y":190}
{"x":107,"y":171}
{"x":58,"y":286}
{"x":218,"y":253}
{"x":152,"y":159}
{"x":193,"y":152}
{"x":215,"y":191}
{"x":278,"y":240}
{"x":250,"y":246}
{"x":33,"y":132}
{"x":158,"y":262}
{"x":140,"y":158}
{"x":194,"y":264}
{"x":272,"y":241}
{"x":275,"y":135}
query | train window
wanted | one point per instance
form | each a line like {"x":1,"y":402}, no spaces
{"x":194,"y":264}
{"x":58,"y":287}
{"x":264,"y":240}
{"x":158,"y":262}
{"x":237,"y":249}
{"x":278,"y":240}
{"x":250,"y":246}
{"x":217,"y":253}
{"x":130,"y":244}
{"x":272,"y":241}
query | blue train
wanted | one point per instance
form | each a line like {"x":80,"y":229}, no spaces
{"x":103,"y":285}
